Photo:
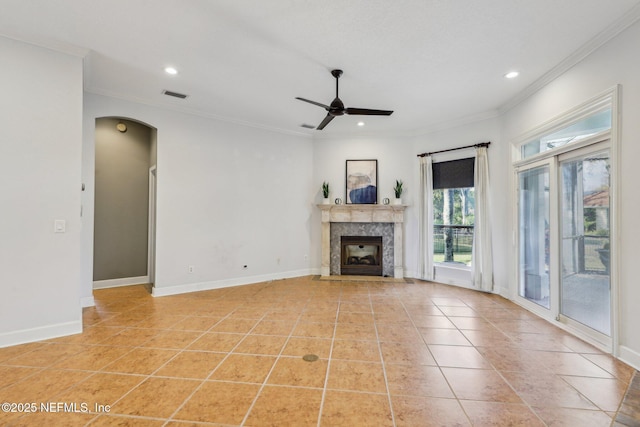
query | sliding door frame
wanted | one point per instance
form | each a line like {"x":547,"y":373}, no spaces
{"x":547,"y":313}
{"x":609,"y":98}
{"x":598,"y":146}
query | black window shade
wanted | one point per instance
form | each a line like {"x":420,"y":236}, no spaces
{"x":453,"y":174}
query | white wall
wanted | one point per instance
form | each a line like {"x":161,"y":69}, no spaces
{"x":617,"y":62}
{"x":482,"y":131}
{"x":397,"y":159}
{"x":40,"y":152}
{"x":228,"y":196}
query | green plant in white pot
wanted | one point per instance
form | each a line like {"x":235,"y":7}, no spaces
{"x":325,"y":193}
{"x":398,"y":190}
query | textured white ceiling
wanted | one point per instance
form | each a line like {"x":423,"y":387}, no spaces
{"x":431,"y":61}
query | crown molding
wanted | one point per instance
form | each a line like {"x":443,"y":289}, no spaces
{"x":610,"y":32}
{"x":193,"y":112}
{"x":56,"y":46}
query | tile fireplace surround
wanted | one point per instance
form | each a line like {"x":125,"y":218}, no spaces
{"x":381,"y":214}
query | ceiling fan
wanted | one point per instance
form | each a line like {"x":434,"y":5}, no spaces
{"x":337,"y":108}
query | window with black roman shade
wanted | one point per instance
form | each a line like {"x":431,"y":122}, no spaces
{"x":453,"y":174}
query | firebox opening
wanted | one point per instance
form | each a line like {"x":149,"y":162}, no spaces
{"x":361,"y":255}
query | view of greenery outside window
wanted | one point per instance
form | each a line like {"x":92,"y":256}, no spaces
{"x":453,"y":225}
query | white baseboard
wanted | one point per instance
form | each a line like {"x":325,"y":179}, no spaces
{"x":453,"y":276}
{"x":503,"y":292}
{"x":218,"y":284}
{"x":40,"y":333}
{"x":87,"y":301}
{"x":125,"y":281}
{"x":411,"y":274}
{"x":630,"y":357}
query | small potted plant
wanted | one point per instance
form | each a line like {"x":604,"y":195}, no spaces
{"x":325,"y":192}
{"x":398,"y":190}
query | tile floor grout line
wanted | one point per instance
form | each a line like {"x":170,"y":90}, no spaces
{"x":147,"y":377}
{"x":624,"y":398}
{"x":330,"y":358}
{"x":533,"y":344}
{"x":204,"y":381}
{"x":455,"y":396}
{"x":498,"y":372}
{"x":266,"y":379}
{"x":555,"y":375}
{"x":382,"y":362}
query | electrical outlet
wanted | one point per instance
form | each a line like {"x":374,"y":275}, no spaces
{"x":59,"y":226}
{"x":306,"y":257}
{"x":191,"y":268}
{"x":278,"y":260}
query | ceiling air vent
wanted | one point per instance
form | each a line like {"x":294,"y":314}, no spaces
{"x":306,"y":126}
{"x":174,"y":94}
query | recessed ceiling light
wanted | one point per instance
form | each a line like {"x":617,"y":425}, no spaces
{"x":360,"y":123}
{"x":511,"y":74}
{"x":171,"y":70}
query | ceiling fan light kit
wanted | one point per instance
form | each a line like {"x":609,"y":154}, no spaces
{"x":337,"y":108}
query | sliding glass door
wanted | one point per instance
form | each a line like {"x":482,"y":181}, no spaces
{"x":585,"y":289}
{"x":533,"y":219}
{"x":564,"y":178}
{"x":564,"y":239}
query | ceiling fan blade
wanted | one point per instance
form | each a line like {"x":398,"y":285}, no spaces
{"x":325,"y":122}
{"x":326,"y":107}
{"x":367,"y":112}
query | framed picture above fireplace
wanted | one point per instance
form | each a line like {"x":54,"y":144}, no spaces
{"x":361,"y":182}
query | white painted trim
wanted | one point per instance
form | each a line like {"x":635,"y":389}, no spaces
{"x":629,"y":356}
{"x":452,"y":275}
{"x":226,"y":283}
{"x":597,"y":103}
{"x":40,"y":333}
{"x":609,"y":98}
{"x":195,"y":112}
{"x":503,"y":292}
{"x":47,"y":43}
{"x":614,"y":218}
{"x":576,"y":57}
{"x":125,"y":281}
{"x":151,"y":224}
{"x":87,"y":302}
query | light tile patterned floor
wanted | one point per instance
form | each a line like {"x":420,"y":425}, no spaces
{"x":391,"y":353}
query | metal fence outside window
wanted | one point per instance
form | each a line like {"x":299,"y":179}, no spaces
{"x":462,"y":238}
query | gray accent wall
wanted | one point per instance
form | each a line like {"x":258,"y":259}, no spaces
{"x":121,"y":199}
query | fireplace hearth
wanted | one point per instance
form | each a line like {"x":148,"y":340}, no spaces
{"x":361,"y":255}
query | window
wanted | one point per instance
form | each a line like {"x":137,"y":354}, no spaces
{"x":453,"y":207}
{"x":584,"y":128}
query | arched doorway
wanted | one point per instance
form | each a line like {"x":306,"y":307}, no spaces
{"x":124,"y":209}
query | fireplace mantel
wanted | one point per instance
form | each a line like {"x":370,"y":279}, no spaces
{"x":365,"y":214}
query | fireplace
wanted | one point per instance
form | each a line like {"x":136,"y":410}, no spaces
{"x":361,"y":255}
{"x":363,"y":220}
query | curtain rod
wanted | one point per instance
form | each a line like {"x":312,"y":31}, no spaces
{"x":482,"y":144}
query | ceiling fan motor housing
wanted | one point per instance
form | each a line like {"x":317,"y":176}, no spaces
{"x":336,"y":107}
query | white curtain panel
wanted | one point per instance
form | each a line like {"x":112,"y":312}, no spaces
{"x":426,"y":218}
{"x":482,"y":255}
